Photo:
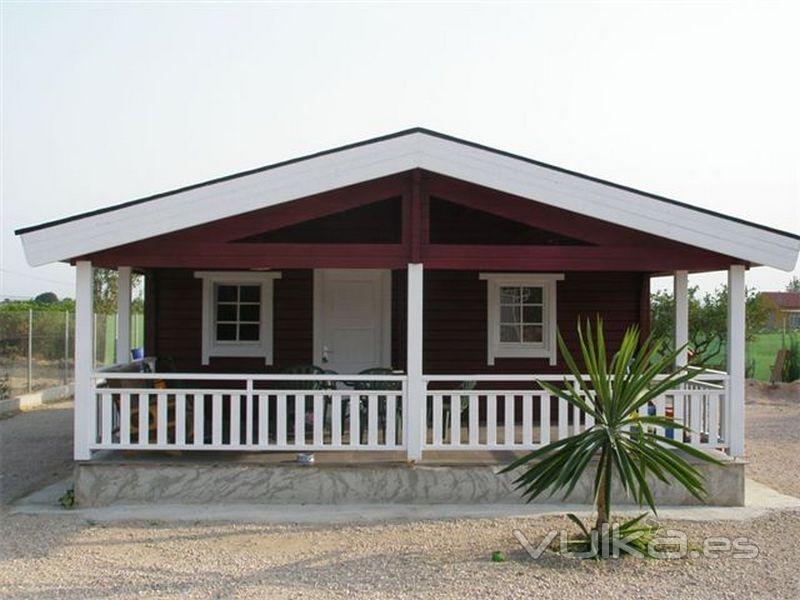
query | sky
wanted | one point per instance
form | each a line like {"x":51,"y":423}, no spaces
{"x":103,"y":103}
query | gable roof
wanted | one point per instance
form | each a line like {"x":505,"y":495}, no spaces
{"x":783,"y":300}
{"x":281,"y":182}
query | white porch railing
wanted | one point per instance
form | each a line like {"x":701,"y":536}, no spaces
{"x":290,"y":412}
{"x":137,"y":411}
{"x":460,"y":417}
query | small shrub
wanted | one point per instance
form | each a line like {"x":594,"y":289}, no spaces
{"x":5,"y":387}
{"x":599,"y":543}
{"x":498,"y":556}
{"x":791,"y":363}
{"x":67,"y":500}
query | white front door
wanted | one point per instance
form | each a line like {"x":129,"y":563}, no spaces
{"x":352,"y":317}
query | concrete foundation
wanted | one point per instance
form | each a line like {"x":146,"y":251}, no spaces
{"x":337,"y":480}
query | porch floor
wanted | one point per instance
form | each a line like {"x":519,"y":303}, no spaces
{"x":328,"y":458}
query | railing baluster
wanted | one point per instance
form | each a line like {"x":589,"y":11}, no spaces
{"x":527,"y":420}
{"x":235,"y":419}
{"x":125,"y":419}
{"x":576,"y":419}
{"x":474,"y":427}
{"x":544,"y":418}
{"x":508,"y":417}
{"x":144,"y":418}
{"x":248,"y":415}
{"x":216,"y":419}
{"x":198,"y":432}
{"x":589,"y":418}
{"x":263,"y":420}
{"x":713,"y":419}
{"x":318,"y":422}
{"x":180,"y":420}
{"x":455,"y":420}
{"x":437,"y":419}
{"x":491,"y":419}
{"x":336,"y":420}
{"x":299,"y":420}
{"x":106,"y":420}
{"x":390,"y":438}
{"x":660,"y":403}
{"x":161,"y":419}
{"x":695,"y":409}
{"x":563,"y":418}
{"x":280,"y":422}
{"x":355,"y":421}
{"x":372,"y":420}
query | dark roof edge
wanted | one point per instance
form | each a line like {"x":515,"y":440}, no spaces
{"x":388,"y":137}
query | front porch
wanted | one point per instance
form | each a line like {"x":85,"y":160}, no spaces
{"x":407,"y":315}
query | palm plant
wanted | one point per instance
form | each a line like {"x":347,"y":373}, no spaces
{"x":624,"y":442}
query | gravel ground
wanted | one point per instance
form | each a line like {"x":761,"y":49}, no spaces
{"x":55,"y":557}
{"x":35,"y":450}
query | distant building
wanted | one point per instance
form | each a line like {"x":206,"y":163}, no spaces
{"x":785,"y":309}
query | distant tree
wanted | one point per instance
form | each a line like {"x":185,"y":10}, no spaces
{"x":106,"y":284}
{"x":46,"y":298}
{"x":708,"y":320}
{"x":793,"y":285}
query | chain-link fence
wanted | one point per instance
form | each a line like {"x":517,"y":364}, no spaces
{"x":37,"y":348}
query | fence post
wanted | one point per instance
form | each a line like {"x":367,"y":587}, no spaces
{"x":66,"y":347}
{"x":30,"y":350}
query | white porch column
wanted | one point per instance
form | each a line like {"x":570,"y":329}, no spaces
{"x":681,"y":293}
{"x":123,"y":314}
{"x":416,"y":387}
{"x":736,"y":357}
{"x":85,"y":421}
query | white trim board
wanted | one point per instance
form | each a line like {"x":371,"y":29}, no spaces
{"x":394,"y":154}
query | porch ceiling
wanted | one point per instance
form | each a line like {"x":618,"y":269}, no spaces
{"x":409,"y":150}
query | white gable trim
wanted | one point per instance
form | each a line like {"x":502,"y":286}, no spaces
{"x":387,"y":156}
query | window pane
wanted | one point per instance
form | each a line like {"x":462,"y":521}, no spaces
{"x":250,"y":293}
{"x":533,"y":295}
{"x":509,"y":333}
{"x":532,"y":333}
{"x":226,"y":293}
{"x":226,"y":312}
{"x":509,"y":314}
{"x":249,"y":312}
{"x":509,"y":295}
{"x":532,"y":314}
{"x":248,"y":333}
{"x":226,"y":333}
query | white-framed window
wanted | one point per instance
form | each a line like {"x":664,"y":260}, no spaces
{"x":521,"y":315}
{"x":237,"y":313}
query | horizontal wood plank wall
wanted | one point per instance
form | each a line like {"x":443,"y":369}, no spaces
{"x":178,"y":315}
{"x":455,"y":336}
{"x":454,"y":329}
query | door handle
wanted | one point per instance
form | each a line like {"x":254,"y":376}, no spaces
{"x":325,"y":352}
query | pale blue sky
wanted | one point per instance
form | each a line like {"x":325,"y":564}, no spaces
{"x":106,"y":102}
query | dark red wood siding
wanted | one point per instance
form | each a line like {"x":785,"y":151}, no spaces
{"x":178,"y":318}
{"x":454,"y":328}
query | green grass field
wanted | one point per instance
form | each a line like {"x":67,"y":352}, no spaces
{"x":763,"y":350}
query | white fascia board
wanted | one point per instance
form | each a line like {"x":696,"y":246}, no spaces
{"x":394,"y":155}
{"x":609,"y":203}
{"x":220,"y":200}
